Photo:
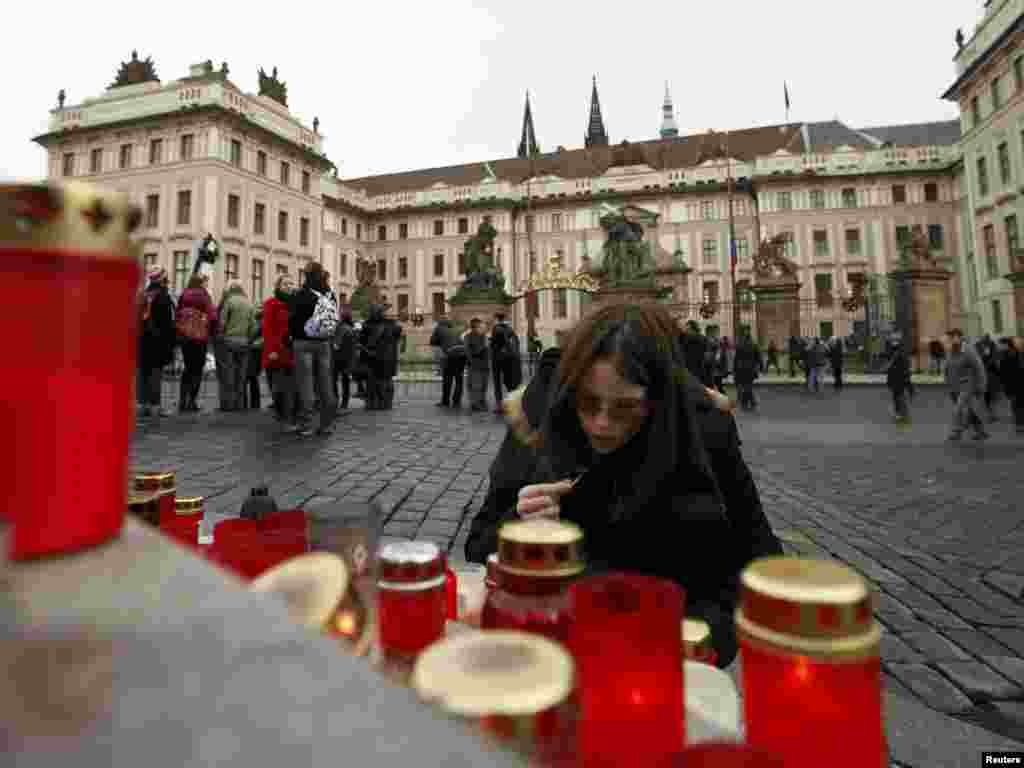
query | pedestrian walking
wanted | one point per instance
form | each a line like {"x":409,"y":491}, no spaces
{"x":238,"y":327}
{"x":1011,"y":373}
{"x":312,"y":322}
{"x":453,"y":362}
{"x":747,"y":368}
{"x":278,"y":360}
{"x":773,"y":358}
{"x":836,"y":360}
{"x":156,"y":342}
{"x":506,"y":366}
{"x":479,"y":365}
{"x":897,"y":379}
{"x":795,"y":352}
{"x":966,"y":378}
{"x":195,"y":320}
{"x":989,"y":353}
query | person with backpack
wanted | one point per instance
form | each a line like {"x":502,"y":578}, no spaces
{"x":479,"y":365}
{"x":312,"y":323}
{"x":278,"y":360}
{"x":505,"y":365}
{"x":346,"y":347}
{"x":196,"y":318}
{"x":156,"y":342}
{"x":453,"y":368}
{"x":238,"y":326}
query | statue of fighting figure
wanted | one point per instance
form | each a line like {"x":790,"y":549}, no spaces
{"x":627,"y":258}
{"x":481,"y":272}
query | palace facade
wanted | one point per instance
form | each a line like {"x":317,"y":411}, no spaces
{"x":200,"y":155}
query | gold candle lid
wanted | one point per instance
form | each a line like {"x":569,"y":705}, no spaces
{"x":541,"y":547}
{"x":155,"y":481}
{"x":188,"y":505}
{"x":94,"y":221}
{"x":499,"y":672}
{"x":312,"y":585}
{"x":142,"y":497}
{"x":808,"y":606}
{"x":696,"y":637}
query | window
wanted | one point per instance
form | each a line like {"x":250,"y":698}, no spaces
{"x":359,"y":230}
{"x":997,"y":316}
{"x":382,"y":270}
{"x":236,"y":153}
{"x":305,"y":182}
{"x":849,"y":197}
{"x":261,"y":163}
{"x":1012,"y":237}
{"x":184,"y":207}
{"x":344,"y":226}
{"x":403,"y":268}
{"x":156,"y":151}
{"x":931,"y":192}
{"x":69,"y":163}
{"x":707,"y":210}
{"x":711,"y":291}
{"x":230,"y":266}
{"x":343,"y":263}
{"x":182,"y":271}
{"x":935,"y":237}
{"x":286,"y":171}
{"x":281,"y":269}
{"x":403,"y":231}
{"x":187,"y":146}
{"x":1003,"y":152}
{"x":972,"y":274}
{"x":533,"y":262}
{"x":149,"y":261}
{"x":556,"y":222}
{"x":560,"y":308}
{"x":382,"y":232}
{"x":403,"y":305}
{"x":126,"y":156}
{"x":982,"y":177}
{"x":789,"y":246}
{"x":463,"y":226}
{"x":742,"y":249}
{"x":817,"y":198}
{"x":975,"y":112}
{"x":438,"y":227}
{"x":989,"y":241}
{"x":438,"y":265}
{"x":825,"y":329}
{"x":902,"y":240}
{"x":282,"y":226}
{"x":820,"y":242}
{"x":488,"y":219}
{"x":997,"y":96}
{"x":437,"y":299}
{"x":1018,"y":73}
{"x":257,"y":280}
{"x":234,"y":203}
{"x":96,"y":161}
{"x":461,"y":261}
{"x":259,"y":219}
{"x":899,"y":193}
{"x":152,"y":211}
{"x":823,"y":289}
{"x":529,"y":222}
{"x":304,"y":231}
{"x":785,"y":201}
{"x":710,"y":251}
{"x":853,"y":242}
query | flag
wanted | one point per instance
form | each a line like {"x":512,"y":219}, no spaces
{"x":732,"y":252}
{"x":785,"y":90}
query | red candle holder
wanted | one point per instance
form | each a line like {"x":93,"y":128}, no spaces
{"x":411,"y":603}
{"x":451,"y":591}
{"x":65,"y":252}
{"x":727,"y":755}
{"x":697,"y":645}
{"x":165,"y":485}
{"x":811,"y":669}
{"x":249,"y":550}
{"x":184,"y":525}
{"x":624,"y":636}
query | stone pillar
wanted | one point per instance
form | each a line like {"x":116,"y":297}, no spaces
{"x":776,"y":314}
{"x":923,"y":310}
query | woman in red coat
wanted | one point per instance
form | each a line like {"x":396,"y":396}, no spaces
{"x":278,"y":361}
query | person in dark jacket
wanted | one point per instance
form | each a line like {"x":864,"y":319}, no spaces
{"x":312,"y":355}
{"x":695,"y":353}
{"x":278,"y":360}
{"x":453,"y":366}
{"x":380,"y":338}
{"x":664,"y":489}
{"x":835,"y":359}
{"x":897,"y":378}
{"x":196,"y":321}
{"x":773,"y":358}
{"x":346,"y":348}
{"x":505,"y":364}
{"x":479,"y":365}
{"x":1011,"y":373}
{"x":156,"y":342}
{"x":747,"y":367}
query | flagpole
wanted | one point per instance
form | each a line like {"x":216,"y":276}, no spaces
{"x":732,"y":243}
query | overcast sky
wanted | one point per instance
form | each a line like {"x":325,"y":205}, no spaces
{"x":404,"y":85}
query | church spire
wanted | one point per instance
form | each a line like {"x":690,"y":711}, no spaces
{"x":596,"y":135}
{"x":528,"y":143}
{"x":669,"y":129}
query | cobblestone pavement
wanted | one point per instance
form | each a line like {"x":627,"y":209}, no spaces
{"x":938,"y":527}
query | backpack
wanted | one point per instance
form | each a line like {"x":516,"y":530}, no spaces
{"x":324,"y":321}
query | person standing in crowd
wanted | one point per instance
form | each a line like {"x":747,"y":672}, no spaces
{"x":386,"y":353}
{"x":695,"y":353}
{"x":965,"y":376}
{"x":255,"y":363}
{"x":747,"y":368}
{"x":238,"y":326}
{"x":196,"y":320}
{"x":453,"y":362}
{"x":505,"y":364}
{"x":897,"y":379}
{"x":310,"y":306}
{"x":1011,"y":373}
{"x":278,"y":360}
{"x":794,"y":352}
{"x":346,"y":346}
{"x":773,"y":358}
{"x":936,"y":357}
{"x":376,"y":339}
{"x":156,"y":342}
{"x":836,"y":360}
{"x":479,"y":365}
{"x":816,"y":358}
{"x":989,"y":353}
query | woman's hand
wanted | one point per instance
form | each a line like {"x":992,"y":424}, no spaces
{"x":542,"y":499}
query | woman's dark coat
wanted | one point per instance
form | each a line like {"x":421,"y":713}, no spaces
{"x":158,"y":336}
{"x":688,"y":541}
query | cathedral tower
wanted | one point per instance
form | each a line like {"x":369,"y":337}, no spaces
{"x":669,"y":129}
{"x":596,"y":135}
{"x":528,"y":143}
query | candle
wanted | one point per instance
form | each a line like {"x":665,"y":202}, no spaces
{"x":811,"y":669}
{"x":165,"y":485}
{"x":451,"y":591}
{"x":411,"y":598}
{"x":65,"y":253}
{"x":624,"y":636}
{"x":145,"y":505}
{"x":184,"y":525}
{"x":697,"y":642}
{"x":514,"y":686}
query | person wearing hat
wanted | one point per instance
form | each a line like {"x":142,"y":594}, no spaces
{"x":157,"y":336}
